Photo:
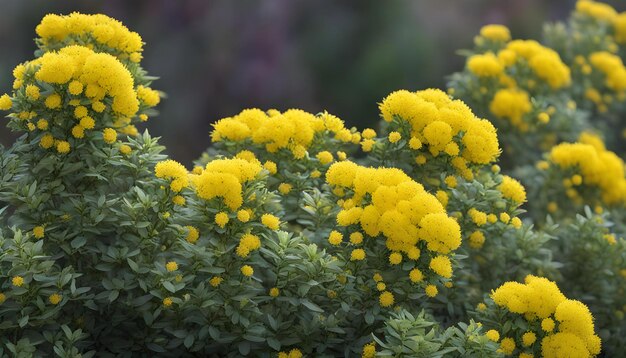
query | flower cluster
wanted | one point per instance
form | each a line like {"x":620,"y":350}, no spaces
{"x":591,"y":42}
{"x":387,"y":204}
{"x":435,"y":126}
{"x":552,"y":324}
{"x":294,"y":130}
{"x":281,"y":242}
{"x":224,"y":179}
{"x":523,"y":87}
{"x":590,"y":166}
{"x":77,"y":90}
{"x":106,"y":34}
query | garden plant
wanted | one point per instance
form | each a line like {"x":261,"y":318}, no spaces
{"x":482,"y":220}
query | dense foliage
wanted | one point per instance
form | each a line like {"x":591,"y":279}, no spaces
{"x":294,"y":235}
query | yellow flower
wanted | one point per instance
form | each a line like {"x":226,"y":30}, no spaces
{"x":529,"y":338}
{"x":167,"y":301}
{"x":416,"y":275}
{"x":270,"y":221}
{"x":192,"y":235}
{"x":3,"y":298}
{"x":274,"y":292}
{"x":357,"y":255}
{"x":367,"y":145}
{"x":80,"y":112}
{"x":493,"y":335}
{"x":368,"y":133}
{"x":507,"y":345}
{"x":221,"y":219}
{"x":395,"y":258}
{"x":512,"y":189}
{"x":32,"y":92}
{"x":75,"y":88}
{"x":284,"y":188}
{"x":243,"y":216}
{"x":55,"y":298}
{"x":171,"y":266}
{"x":87,"y":122}
{"x":442,"y":266}
{"x":247,"y":243}
{"x":394,"y":137}
{"x":98,"y":106}
{"x":63,"y":147}
{"x":247,"y":270}
{"x":38,"y":232}
{"x":476,"y":240}
{"x":295,"y":353}
{"x":431,"y":290}
{"x":420,"y":159}
{"x":17,"y":281}
{"x":325,"y":157}
{"x":126,"y":150}
{"x":5,"y":102}
{"x":543,"y":117}
{"x":369,"y":350}
{"x":356,"y":238}
{"x":386,"y":299}
{"x":451,"y":181}
{"x":478,"y":217}
{"x":415,"y":143}
{"x":335,"y":238}
{"x":215,"y":281}
{"x":53,"y":101}
{"x":485,"y":65}
{"x":42,"y":124}
{"x":109,"y":135}
{"x":495,"y":32}
{"x":78,"y":131}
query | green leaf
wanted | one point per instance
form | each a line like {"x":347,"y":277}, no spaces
{"x":169,"y":286}
{"x":310,"y":305}
{"x":22,"y":322}
{"x":274,"y":343}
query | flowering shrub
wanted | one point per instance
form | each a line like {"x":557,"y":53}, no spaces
{"x":535,"y":317}
{"x":295,"y":236}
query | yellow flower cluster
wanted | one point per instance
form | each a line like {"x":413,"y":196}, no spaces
{"x":224,"y":178}
{"x":599,"y":11}
{"x":485,"y":65}
{"x":520,"y":55}
{"x":513,"y":104}
{"x":294,"y":130}
{"x":100,"y":74}
{"x":174,"y":171}
{"x":444,"y":125}
{"x":596,"y":166}
{"x":495,"y":32}
{"x":543,"y":61}
{"x":540,"y":298}
{"x":612,"y":68}
{"x":247,"y":243}
{"x":409,"y":218}
{"x":83,"y":82}
{"x":102,"y":32}
{"x":512,"y":189}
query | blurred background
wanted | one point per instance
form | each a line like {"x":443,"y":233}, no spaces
{"x":215,"y":58}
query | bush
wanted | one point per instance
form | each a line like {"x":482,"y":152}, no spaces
{"x":294,"y":235}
